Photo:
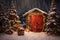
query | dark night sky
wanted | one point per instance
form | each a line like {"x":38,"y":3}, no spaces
{"x":24,"y":5}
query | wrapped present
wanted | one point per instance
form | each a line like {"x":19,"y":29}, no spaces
{"x":21,"y":32}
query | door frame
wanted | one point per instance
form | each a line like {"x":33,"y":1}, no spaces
{"x":28,"y":19}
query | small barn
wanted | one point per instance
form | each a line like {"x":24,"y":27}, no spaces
{"x":35,"y":19}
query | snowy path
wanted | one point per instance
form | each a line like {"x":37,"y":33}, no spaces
{"x":29,"y":36}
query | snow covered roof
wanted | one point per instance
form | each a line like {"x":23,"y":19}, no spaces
{"x":34,"y":10}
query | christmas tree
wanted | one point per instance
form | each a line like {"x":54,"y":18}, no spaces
{"x":53,"y":21}
{"x":4,"y":23}
{"x":15,"y":23}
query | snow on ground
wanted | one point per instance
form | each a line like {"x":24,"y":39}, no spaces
{"x":29,"y":36}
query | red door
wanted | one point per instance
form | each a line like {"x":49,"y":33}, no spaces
{"x":36,"y":23}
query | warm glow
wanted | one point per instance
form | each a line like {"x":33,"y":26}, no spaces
{"x":26,"y":30}
{"x":36,"y":23}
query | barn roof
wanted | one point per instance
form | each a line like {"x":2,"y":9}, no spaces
{"x":34,"y":10}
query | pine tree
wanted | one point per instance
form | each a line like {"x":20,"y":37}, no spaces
{"x":4,"y":24}
{"x":14,"y":18}
{"x":53,"y":21}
